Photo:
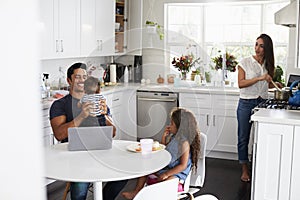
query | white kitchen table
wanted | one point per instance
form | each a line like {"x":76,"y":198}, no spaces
{"x":101,"y":165}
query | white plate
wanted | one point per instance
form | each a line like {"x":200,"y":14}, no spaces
{"x":136,"y":146}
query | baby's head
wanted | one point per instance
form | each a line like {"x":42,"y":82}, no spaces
{"x":92,"y":85}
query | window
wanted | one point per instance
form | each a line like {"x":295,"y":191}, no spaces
{"x":202,"y":29}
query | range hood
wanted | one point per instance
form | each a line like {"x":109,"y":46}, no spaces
{"x":287,"y":15}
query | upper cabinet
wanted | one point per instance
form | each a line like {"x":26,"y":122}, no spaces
{"x":60,"y":30}
{"x":97,"y":28}
{"x":120,"y":26}
{"x":81,"y":28}
{"x":134,"y":27}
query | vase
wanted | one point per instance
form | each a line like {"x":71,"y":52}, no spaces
{"x":183,"y":75}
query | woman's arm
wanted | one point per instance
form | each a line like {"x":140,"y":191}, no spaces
{"x":185,"y":148}
{"x":243,"y":82}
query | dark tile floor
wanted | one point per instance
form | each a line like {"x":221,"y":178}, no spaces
{"x":222,"y":180}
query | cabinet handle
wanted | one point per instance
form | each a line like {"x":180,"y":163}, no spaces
{"x":116,"y":99}
{"x":214,"y":120}
{"x":207,"y":120}
{"x":56,"y":46}
{"x":99,"y":45}
{"x":61,"y":46}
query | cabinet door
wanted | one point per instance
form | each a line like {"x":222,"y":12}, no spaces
{"x":225,"y":121}
{"x":295,"y":177}
{"x":200,"y":105}
{"x":135,"y":25}
{"x":66,"y":27}
{"x":273,"y":161}
{"x":47,"y":46}
{"x":87,"y":27}
{"x":105,"y":41}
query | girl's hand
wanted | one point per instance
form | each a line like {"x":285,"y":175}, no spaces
{"x":163,"y":177}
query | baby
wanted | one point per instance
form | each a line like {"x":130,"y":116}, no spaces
{"x":92,"y":94}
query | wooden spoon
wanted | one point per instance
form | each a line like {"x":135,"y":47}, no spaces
{"x":276,"y":86}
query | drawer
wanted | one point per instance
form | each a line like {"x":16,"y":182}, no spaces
{"x":114,"y":99}
{"x":195,"y":100}
{"x":228,"y":102}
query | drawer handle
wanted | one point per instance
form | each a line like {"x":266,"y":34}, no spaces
{"x":207,"y":120}
{"x":116,"y":99}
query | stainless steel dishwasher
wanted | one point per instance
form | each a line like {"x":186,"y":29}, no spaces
{"x":153,"y":112}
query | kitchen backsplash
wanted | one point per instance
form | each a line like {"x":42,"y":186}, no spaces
{"x":53,"y":66}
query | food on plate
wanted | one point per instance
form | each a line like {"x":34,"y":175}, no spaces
{"x":155,"y":146}
{"x":138,"y":148}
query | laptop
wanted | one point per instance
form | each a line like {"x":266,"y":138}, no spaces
{"x":90,"y":138}
{"x":292,"y":78}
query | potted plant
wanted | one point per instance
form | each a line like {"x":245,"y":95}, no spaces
{"x":184,"y":64}
{"x":154,"y":27}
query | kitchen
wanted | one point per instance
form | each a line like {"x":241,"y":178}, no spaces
{"x":21,"y":44}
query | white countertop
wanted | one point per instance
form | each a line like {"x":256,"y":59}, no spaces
{"x":187,"y":87}
{"x":288,"y":117}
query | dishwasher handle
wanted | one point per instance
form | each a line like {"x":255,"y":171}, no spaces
{"x":158,"y":99}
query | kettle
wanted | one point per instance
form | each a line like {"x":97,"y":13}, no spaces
{"x":294,"y":99}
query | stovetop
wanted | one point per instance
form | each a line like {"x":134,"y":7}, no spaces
{"x":277,"y":104}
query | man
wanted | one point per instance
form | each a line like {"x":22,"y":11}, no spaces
{"x":64,"y":113}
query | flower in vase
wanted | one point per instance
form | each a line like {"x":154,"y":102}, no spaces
{"x":184,"y":63}
{"x":230,"y":62}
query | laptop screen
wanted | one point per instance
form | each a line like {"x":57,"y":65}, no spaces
{"x":292,"y":78}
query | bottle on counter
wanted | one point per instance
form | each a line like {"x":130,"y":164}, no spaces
{"x":126,"y":75}
{"x":113,"y":71}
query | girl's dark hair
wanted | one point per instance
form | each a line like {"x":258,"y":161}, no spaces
{"x":91,"y":85}
{"x":73,"y":67}
{"x":187,"y":128}
{"x":269,"y":53}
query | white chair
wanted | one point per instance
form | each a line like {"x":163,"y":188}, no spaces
{"x":195,"y":179}
{"x":206,"y":197}
{"x":164,"y":190}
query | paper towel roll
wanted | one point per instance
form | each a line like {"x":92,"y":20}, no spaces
{"x":113,"y":73}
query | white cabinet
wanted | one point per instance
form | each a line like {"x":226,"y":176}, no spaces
{"x":135,"y":25}
{"x":60,"y":29}
{"x":123,"y":110}
{"x":275,"y":149}
{"x":225,"y":120}
{"x":295,"y":177}
{"x":216,"y":116}
{"x":96,"y":27}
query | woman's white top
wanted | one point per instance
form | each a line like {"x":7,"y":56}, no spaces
{"x":253,"y":69}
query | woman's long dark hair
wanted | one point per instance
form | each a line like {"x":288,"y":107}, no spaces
{"x":269,"y":53}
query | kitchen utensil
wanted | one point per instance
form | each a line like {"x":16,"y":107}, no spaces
{"x":275,"y":85}
{"x":294,"y":99}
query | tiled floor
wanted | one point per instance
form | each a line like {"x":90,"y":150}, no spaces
{"x":222,"y":180}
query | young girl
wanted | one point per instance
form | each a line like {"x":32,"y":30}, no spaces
{"x":183,"y":145}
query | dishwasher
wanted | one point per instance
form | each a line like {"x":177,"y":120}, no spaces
{"x":153,"y":112}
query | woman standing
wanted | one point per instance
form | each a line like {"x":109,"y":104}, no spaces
{"x":254,"y":76}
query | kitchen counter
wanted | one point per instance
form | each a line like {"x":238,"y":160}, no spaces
{"x":187,"y":87}
{"x":288,"y":117}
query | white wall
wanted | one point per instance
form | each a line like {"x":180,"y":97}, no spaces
{"x":22,"y":165}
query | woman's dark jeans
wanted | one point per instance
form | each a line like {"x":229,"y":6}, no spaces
{"x":244,"y":112}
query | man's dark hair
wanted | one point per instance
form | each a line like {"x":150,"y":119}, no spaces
{"x":73,"y":67}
